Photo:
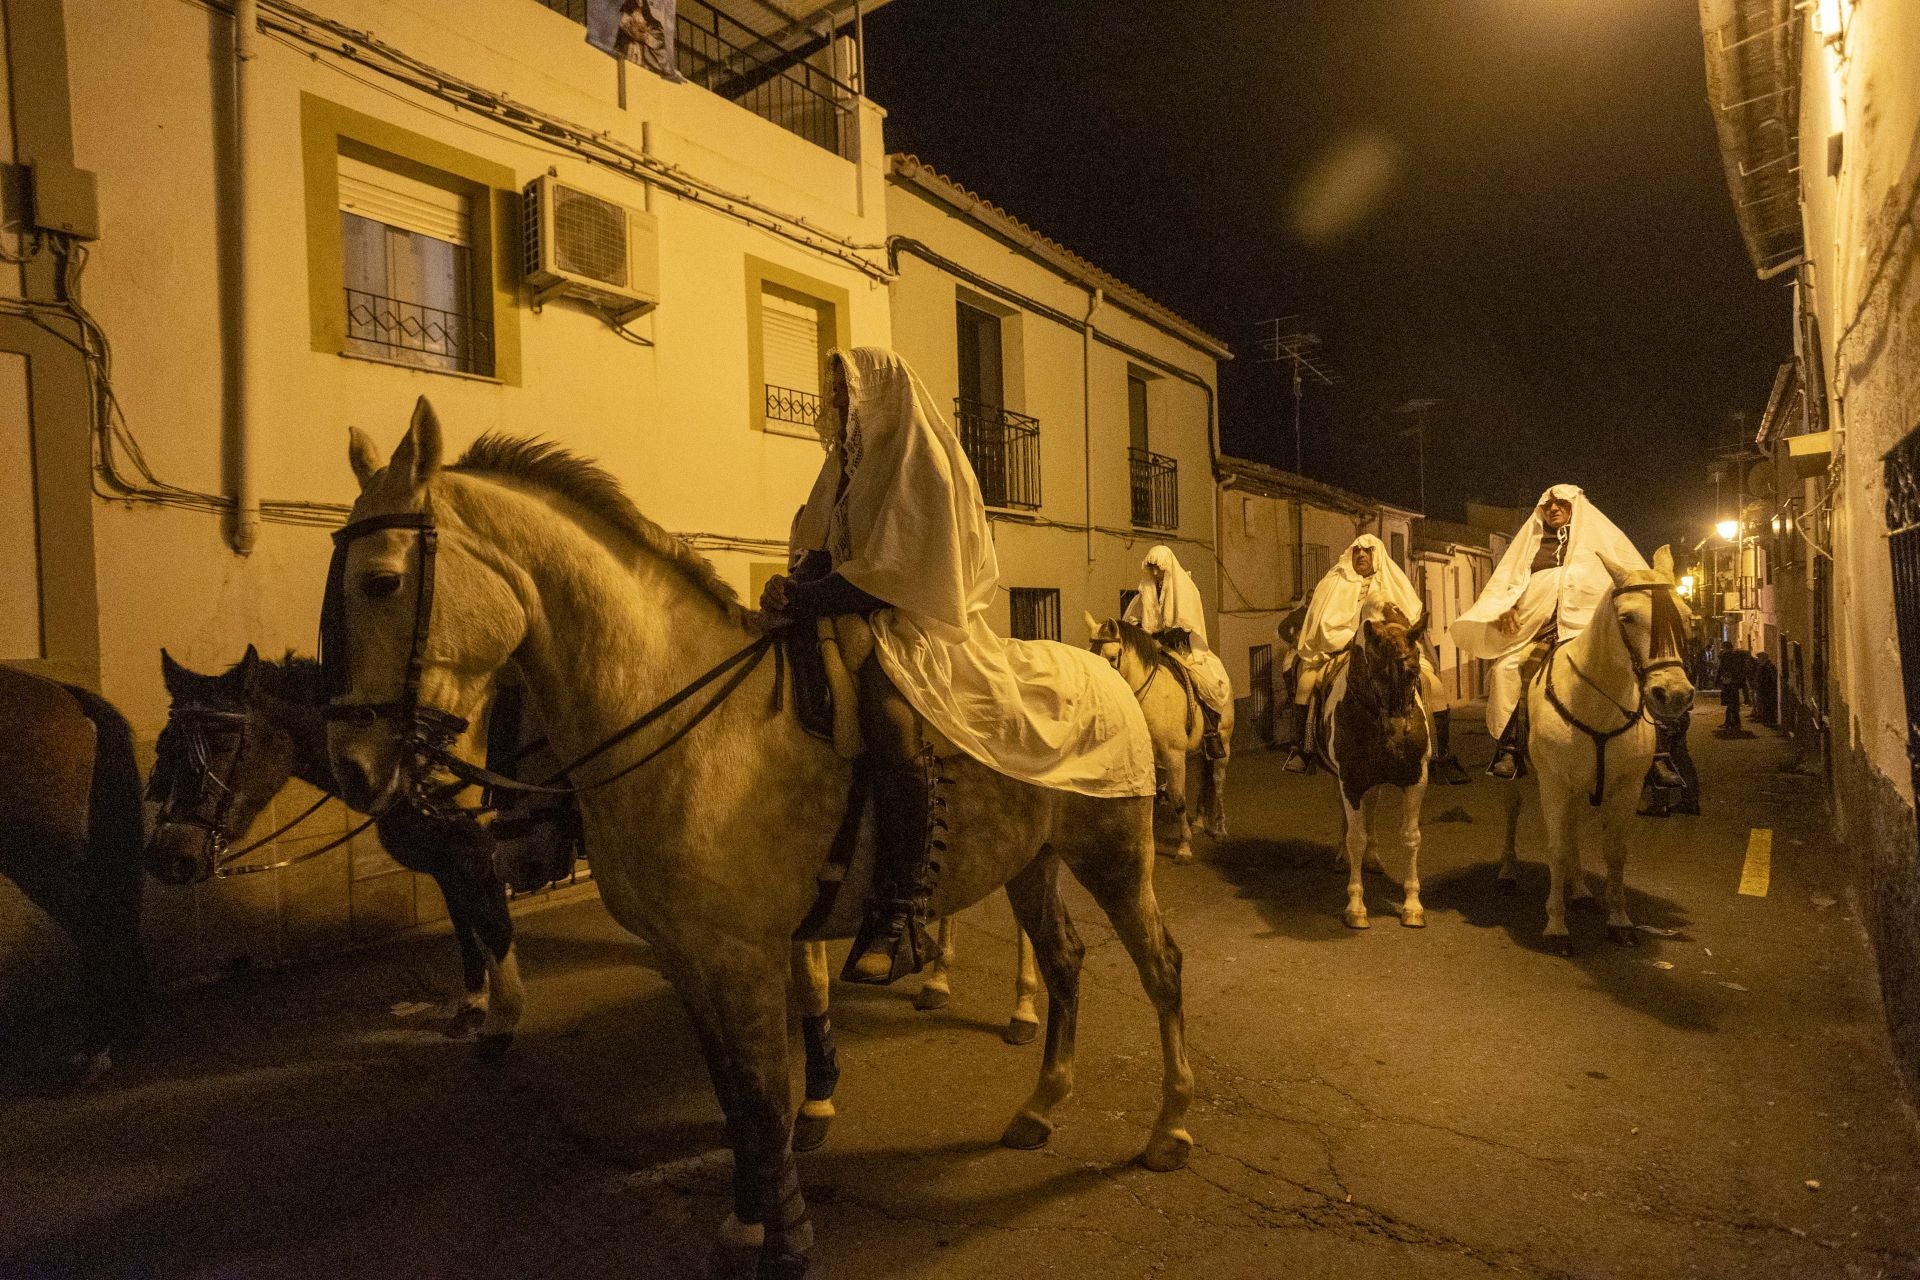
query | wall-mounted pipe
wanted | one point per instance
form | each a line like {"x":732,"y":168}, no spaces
{"x":1095,"y":296}
{"x":245,"y":528}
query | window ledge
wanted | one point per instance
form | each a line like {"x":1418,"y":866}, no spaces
{"x":422,"y":368}
{"x":1021,"y":514}
{"x":791,"y":430}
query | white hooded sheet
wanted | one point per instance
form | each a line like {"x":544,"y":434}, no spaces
{"x":1344,"y":597}
{"x":1175,"y":601}
{"x":1571,"y":592}
{"x":909,"y":527}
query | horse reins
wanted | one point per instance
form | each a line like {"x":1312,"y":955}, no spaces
{"x":428,"y":731}
{"x":1664,"y":653}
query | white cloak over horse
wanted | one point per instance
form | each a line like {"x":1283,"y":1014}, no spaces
{"x":1168,"y":600}
{"x":898,"y":510}
{"x":1565,"y":593}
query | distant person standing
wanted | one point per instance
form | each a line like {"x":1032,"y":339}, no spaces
{"x":1734,"y":667}
{"x":1766,"y":691}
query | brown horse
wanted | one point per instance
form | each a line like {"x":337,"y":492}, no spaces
{"x":1372,"y":732}
{"x":70,"y":827}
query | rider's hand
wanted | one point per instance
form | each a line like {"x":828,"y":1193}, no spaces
{"x":773,"y":597}
{"x":1509,"y":621}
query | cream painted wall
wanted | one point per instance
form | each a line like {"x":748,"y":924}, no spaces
{"x":671,"y":421}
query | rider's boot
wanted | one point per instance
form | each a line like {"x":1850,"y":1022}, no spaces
{"x":1445,"y":763}
{"x":910,"y":816}
{"x":1509,"y":754}
{"x":1662,"y":773}
{"x":1289,"y":734}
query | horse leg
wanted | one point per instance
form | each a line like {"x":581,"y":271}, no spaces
{"x":1124,"y":890}
{"x":53,"y":881}
{"x":1173,"y":767}
{"x":1412,"y":914}
{"x":1024,"y":1025}
{"x":936,"y":991}
{"x":1562,"y":856}
{"x":1213,"y":795}
{"x":1037,"y":908}
{"x":811,"y":984}
{"x":1356,"y":839}
{"x":1619,"y":927}
{"x":506,"y":995}
{"x":465,"y":1011}
{"x":1509,"y":879}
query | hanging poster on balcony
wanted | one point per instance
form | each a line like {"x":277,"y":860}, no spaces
{"x":640,"y":31}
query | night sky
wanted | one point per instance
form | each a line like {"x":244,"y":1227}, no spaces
{"x":1515,"y":206}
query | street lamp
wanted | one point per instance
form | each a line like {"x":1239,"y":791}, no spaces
{"x":1686,"y":586}
{"x":1727,"y":529}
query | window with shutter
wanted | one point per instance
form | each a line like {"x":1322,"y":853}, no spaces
{"x":407,"y":250}
{"x":791,"y":357}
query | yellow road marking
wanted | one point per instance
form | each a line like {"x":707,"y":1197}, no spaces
{"x":1759,"y":868}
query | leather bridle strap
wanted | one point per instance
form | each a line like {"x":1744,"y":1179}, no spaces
{"x":405,"y":706}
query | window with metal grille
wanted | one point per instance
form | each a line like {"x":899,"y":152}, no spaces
{"x":1901,"y":471}
{"x":1035,"y":612}
{"x":407,"y":250}
{"x":791,"y":356}
{"x":1260,"y":689}
{"x":1315,"y":563}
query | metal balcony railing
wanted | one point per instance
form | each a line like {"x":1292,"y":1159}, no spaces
{"x":1154,"y":480}
{"x":776,"y":83}
{"x":1004,"y":448}
{"x":418,"y":334}
{"x":786,"y":404}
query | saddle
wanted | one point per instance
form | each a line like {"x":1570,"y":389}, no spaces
{"x":822,"y":658}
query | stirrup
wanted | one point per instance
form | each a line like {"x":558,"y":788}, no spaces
{"x":1451,"y":771}
{"x":1506,"y":765}
{"x":1663,"y":775}
{"x":892,"y":943}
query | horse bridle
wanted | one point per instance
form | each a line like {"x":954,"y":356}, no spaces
{"x":428,"y":731}
{"x":1664,"y":652}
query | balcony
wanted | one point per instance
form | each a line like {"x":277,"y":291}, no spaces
{"x":776,"y":83}
{"x":1004,"y":448}
{"x":1154,"y":481}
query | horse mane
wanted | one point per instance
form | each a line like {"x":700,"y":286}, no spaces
{"x":580,"y":480}
{"x":290,"y":678}
{"x":1138,"y":641}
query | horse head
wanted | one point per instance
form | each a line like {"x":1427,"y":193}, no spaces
{"x":220,"y":760}
{"x":1389,"y":647}
{"x":1654,"y":625}
{"x":414,"y":625}
{"x":1130,"y":649}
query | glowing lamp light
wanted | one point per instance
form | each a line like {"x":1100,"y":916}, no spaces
{"x":1727,"y":528}
{"x":1686,"y":585}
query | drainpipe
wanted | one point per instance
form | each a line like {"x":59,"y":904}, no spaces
{"x":1095,"y":296}
{"x":246,"y":494}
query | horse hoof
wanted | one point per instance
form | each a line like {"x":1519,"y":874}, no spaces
{"x":1020,"y":1031}
{"x":1356,"y":919}
{"x":927,"y":999}
{"x":1560,"y":945}
{"x":1415,"y":919}
{"x":735,"y":1234}
{"x":462,"y":1025}
{"x":1624,"y":934}
{"x":492,"y":1050}
{"x":1166,"y":1152}
{"x":1507,"y":884}
{"x":1183,"y":855}
{"x":1027,"y":1132}
{"x":810,"y":1132}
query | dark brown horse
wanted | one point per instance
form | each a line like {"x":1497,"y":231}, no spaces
{"x":1373,"y":732}
{"x":234,"y":740}
{"x":70,"y":828}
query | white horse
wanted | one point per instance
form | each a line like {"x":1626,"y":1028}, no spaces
{"x":1593,"y":709}
{"x":1373,"y":732}
{"x":718,"y":855}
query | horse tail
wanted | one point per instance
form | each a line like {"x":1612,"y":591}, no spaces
{"x":116,"y":830}
{"x":115,"y":824}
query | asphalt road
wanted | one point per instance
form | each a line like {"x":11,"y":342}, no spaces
{"x":1446,"y":1102}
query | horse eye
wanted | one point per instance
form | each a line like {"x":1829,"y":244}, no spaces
{"x":380,"y":585}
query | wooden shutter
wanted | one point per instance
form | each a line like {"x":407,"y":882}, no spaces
{"x":790,"y":343}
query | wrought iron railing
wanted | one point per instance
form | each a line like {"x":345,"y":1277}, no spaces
{"x":776,"y":83}
{"x":418,"y":334}
{"x":1034,"y":613}
{"x":1004,"y":448}
{"x":1154,"y":480}
{"x":786,"y":404}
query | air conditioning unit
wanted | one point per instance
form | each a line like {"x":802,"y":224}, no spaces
{"x":581,"y":246}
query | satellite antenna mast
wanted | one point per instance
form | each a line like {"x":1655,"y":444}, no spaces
{"x":1418,"y":409}
{"x":1286,"y":339}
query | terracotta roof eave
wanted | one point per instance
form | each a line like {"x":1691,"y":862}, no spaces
{"x":911,"y":169}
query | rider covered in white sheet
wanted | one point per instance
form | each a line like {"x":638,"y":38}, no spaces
{"x":1361,"y":584}
{"x":1168,"y":606}
{"x":895,"y":530}
{"x":1543,"y":592}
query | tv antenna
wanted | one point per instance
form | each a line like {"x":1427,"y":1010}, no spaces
{"x":1287,"y":340}
{"x":1418,"y":410}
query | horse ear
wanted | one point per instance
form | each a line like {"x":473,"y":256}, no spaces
{"x":362,"y":456}
{"x":417,"y":456}
{"x":249,"y":668}
{"x":1093,"y":624}
{"x":1419,"y":628}
{"x":1618,"y":572}
{"x":1663,"y":562}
